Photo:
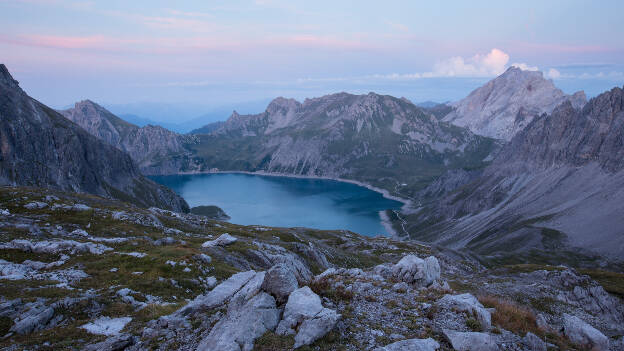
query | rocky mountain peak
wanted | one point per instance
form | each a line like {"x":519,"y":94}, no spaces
{"x":506,"y":104}
{"x":144,"y":144}
{"x":281,"y":103}
{"x":6,"y":79}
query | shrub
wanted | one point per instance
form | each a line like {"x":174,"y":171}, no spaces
{"x":473,"y":325}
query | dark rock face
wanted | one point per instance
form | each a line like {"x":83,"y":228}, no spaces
{"x":39,"y":147}
{"x":559,"y":179}
{"x":573,"y":137}
{"x":155,"y":149}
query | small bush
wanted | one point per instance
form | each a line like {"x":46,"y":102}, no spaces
{"x":323,"y":287}
{"x":392,"y":304}
{"x":273,"y":342}
{"x":473,"y":325}
{"x":370,"y":298}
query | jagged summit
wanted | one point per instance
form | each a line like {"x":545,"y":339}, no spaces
{"x":591,"y":135}
{"x":6,"y":78}
{"x":508,"y":103}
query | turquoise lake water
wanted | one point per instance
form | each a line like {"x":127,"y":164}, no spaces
{"x":285,"y":202}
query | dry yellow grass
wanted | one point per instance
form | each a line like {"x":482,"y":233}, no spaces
{"x":511,"y":316}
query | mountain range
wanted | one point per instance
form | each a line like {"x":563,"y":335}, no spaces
{"x":40,"y":147}
{"x":377,"y":139}
{"x":558,"y":182}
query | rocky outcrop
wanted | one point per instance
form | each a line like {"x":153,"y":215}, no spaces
{"x":412,"y":269}
{"x":507,"y":104}
{"x":155,"y":149}
{"x":467,"y":303}
{"x":305,"y":316}
{"x":223,"y":240}
{"x":280,"y":281}
{"x":40,"y":147}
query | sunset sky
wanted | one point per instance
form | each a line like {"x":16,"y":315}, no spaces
{"x":213,"y":53}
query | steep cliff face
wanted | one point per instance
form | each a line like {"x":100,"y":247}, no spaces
{"x":156,"y":150}
{"x":562,"y":176}
{"x":40,"y":147}
{"x":505,"y":105}
{"x":385,"y":141}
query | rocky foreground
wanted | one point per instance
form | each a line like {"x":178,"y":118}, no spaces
{"x":83,"y":272}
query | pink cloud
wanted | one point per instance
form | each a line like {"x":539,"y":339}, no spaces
{"x":315,"y":41}
{"x":63,"y":42}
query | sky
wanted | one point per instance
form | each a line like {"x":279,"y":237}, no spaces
{"x":207,"y":55}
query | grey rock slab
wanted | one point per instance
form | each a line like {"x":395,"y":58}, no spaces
{"x":56,"y":246}
{"x":249,"y":290}
{"x":316,"y":327}
{"x":412,"y":345}
{"x":35,"y":205}
{"x":534,"y":343}
{"x":471,"y":341}
{"x":242,"y":326}
{"x":582,"y":333}
{"x":469,"y":303}
{"x":223,"y":240}
{"x":305,"y":315}
{"x":280,"y":281}
{"x":302,"y":304}
{"x":34,"y":319}
{"x":220,"y":294}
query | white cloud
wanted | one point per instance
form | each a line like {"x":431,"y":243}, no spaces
{"x":490,"y":64}
{"x":553,"y":74}
{"x":525,"y":67}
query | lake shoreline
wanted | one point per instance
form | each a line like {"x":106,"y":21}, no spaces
{"x":383,"y":216}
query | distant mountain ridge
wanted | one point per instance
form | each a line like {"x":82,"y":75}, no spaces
{"x":40,"y":147}
{"x":558,"y":182}
{"x":379,"y":139}
{"x":508,"y":103}
{"x":155,"y":149}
